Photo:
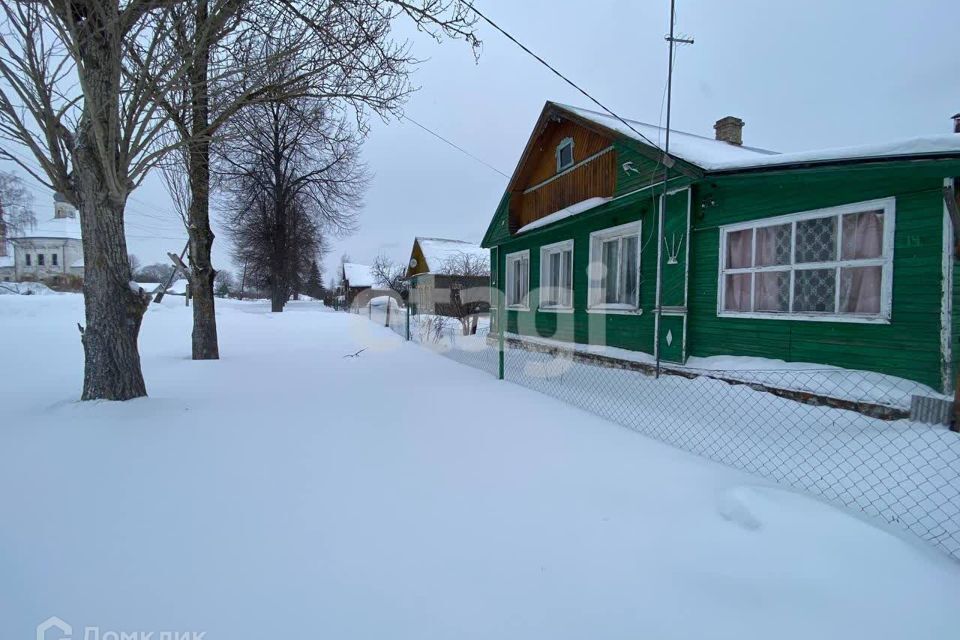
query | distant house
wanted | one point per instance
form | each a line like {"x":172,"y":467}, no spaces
{"x":448,"y":277}
{"x":47,"y":251}
{"x":843,"y":257}
{"x":354,"y":279}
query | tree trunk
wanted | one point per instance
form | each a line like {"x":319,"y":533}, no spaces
{"x":202,"y":273}
{"x":113,"y":310}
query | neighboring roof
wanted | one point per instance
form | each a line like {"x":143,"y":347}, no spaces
{"x":707,"y":153}
{"x":358,"y":275}
{"x":76,"y":263}
{"x":439,"y":252}
{"x":66,"y":228}
{"x":6,"y":261}
{"x":59,"y":197}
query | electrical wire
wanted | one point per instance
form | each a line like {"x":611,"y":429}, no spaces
{"x":455,"y":146}
{"x":560,"y":75}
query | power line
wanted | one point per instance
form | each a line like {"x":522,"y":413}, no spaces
{"x":455,"y":146}
{"x":560,"y":75}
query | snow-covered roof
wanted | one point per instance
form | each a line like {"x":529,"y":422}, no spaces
{"x":945,"y":144}
{"x":66,"y":228}
{"x":715,"y":155}
{"x":702,"y":151}
{"x":6,"y":261}
{"x":557,"y":216}
{"x":76,"y":263}
{"x":358,"y":275}
{"x":440,"y":252}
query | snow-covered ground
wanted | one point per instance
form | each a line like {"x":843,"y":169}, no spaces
{"x":289,"y":491}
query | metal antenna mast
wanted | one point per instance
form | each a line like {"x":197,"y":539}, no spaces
{"x":673,"y":40}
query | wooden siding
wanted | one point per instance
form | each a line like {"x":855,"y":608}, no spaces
{"x":417,"y":254}
{"x":909,"y":347}
{"x":630,"y":331}
{"x":592,"y":179}
{"x":541,"y":163}
{"x":531,"y":198}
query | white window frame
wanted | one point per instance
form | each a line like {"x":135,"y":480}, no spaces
{"x":887,"y":205}
{"x":565,"y":143}
{"x":595,"y":292}
{"x":545,"y":252}
{"x":509,"y":265}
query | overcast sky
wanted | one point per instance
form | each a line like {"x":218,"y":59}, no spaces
{"x":801,"y":74}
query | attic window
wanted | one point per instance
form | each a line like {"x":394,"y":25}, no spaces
{"x":564,"y":154}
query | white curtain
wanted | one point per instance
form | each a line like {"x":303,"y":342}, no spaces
{"x":862,"y":239}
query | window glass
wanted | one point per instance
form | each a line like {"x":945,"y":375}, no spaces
{"x":564,"y":155}
{"x":737,"y":292}
{"x":814,"y":290}
{"x":772,"y":291}
{"x":860,"y":289}
{"x":556,"y":285}
{"x":810,"y":264}
{"x":739,"y":249}
{"x":862,"y":235}
{"x":773,"y":246}
{"x":610,"y":258}
{"x":517,"y":280}
{"x":40,"y":259}
{"x":628,"y":271}
{"x":817,"y":240}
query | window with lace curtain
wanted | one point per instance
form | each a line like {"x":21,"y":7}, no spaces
{"x":829,"y":264}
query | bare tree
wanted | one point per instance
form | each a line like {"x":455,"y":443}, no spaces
{"x":327,"y":50}
{"x":135,"y":265}
{"x":67,"y":97}
{"x":156,"y":272}
{"x":293,"y":176}
{"x":389,"y":274}
{"x":469,"y":288}
{"x":16,"y":208}
{"x":224,"y":284}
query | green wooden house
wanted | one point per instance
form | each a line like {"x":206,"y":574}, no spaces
{"x":844,"y":257}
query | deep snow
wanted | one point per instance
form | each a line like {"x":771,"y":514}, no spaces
{"x":288,"y":491}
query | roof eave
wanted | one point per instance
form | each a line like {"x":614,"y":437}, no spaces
{"x":818,"y":164}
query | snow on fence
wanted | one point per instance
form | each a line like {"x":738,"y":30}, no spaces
{"x":842,"y":435}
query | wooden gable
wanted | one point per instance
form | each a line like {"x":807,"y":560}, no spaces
{"x":418,"y":267}
{"x":537,"y":189}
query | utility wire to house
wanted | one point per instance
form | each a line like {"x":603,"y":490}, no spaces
{"x":560,"y":75}
{"x":454,"y":145}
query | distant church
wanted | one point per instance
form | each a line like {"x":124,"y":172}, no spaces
{"x":48,"y":251}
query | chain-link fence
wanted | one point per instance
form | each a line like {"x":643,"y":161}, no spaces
{"x":844,"y":435}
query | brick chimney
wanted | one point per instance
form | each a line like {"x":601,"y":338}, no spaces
{"x":956,"y":122}
{"x":730,"y":129}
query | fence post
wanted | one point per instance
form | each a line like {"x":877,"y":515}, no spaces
{"x":408,"y":322}
{"x":500,"y":330}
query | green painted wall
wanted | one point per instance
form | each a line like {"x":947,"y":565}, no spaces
{"x":629,"y":331}
{"x":909,"y":347}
